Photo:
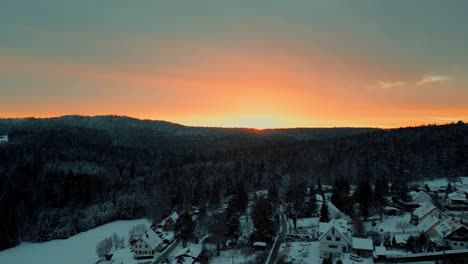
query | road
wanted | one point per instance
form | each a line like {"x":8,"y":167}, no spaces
{"x":166,"y":252}
{"x":279,"y":239}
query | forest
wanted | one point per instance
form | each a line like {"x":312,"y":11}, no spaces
{"x":62,"y":176}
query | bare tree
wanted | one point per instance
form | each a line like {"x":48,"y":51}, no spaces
{"x":136,"y":232}
{"x":103,"y":248}
{"x":402,"y":225}
{"x":117,"y":242}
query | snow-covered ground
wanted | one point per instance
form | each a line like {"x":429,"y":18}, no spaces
{"x":235,"y":256}
{"x":390,"y":224}
{"x":78,"y":249}
{"x":309,"y":253}
{"x":441,"y":182}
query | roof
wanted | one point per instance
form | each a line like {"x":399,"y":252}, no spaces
{"x":380,"y":250}
{"x":363,"y":243}
{"x":424,"y":209}
{"x":389,"y":208}
{"x":422,"y":194}
{"x":401,"y":239}
{"x":259,"y":244}
{"x":340,"y":225}
{"x":447,"y":227}
{"x":173,"y":217}
{"x":428,"y":223}
{"x":457,"y":196}
{"x":192,"y":250}
{"x":167,"y":235}
{"x":151,"y":239}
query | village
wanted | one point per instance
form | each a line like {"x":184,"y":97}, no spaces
{"x":429,"y":226}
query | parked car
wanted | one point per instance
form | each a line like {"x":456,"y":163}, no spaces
{"x":356,"y":258}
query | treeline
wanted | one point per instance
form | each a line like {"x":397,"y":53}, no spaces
{"x":62,"y":176}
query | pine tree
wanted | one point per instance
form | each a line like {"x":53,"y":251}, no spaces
{"x":262,"y":215}
{"x":324,"y":212}
{"x":185,"y":227}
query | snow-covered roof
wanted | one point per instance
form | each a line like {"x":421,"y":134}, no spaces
{"x":173,"y":217}
{"x":413,"y":194}
{"x":340,"y":225}
{"x":151,"y":239}
{"x":259,"y":244}
{"x":192,"y":250}
{"x":457,"y":196}
{"x":389,"y":208}
{"x":167,"y":235}
{"x":362,"y":243}
{"x":422,"y":194}
{"x":401,"y":239}
{"x":428,"y":223}
{"x":380,"y":250}
{"x":447,"y":227}
{"x":424,"y":209}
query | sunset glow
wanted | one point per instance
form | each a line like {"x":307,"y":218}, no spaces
{"x":262,"y":66}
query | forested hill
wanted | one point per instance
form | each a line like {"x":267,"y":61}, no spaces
{"x":61,"y":176}
{"x":131,"y":132}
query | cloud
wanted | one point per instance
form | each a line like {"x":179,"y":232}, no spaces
{"x":429,"y":79}
{"x":389,"y":85}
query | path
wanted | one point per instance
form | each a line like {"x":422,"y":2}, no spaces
{"x":279,"y":239}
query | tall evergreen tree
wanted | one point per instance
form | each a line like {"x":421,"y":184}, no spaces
{"x":324,"y":213}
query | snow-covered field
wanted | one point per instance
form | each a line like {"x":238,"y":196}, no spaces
{"x":441,"y":182}
{"x":78,"y":249}
{"x":234,"y":256}
{"x":390,"y":224}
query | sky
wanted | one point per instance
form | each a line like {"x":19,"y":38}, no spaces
{"x":262,"y":64}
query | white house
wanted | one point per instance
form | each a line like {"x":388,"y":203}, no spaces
{"x":334,"y":239}
{"x":422,"y":197}
{"x":454,"y":233}
{"x":3,"y":139}
{"x":426,"y":210}
{"x":148,"y":244}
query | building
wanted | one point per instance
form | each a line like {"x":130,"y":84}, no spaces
{"x":189,"y":255}
{"x":457,"y":198}
{"x":168,"y":224}
{"x":148,"y":244}
{"x":426,"y":210}
{"x":363,"y":247}
{"x":428,"y":226}
{"x":453,"y":233}
{"x":334,"y":238}
{"x":388,"y":210}
{"x":422,"y":197}
{"x":3,"y":139}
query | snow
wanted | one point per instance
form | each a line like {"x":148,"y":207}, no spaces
{"x":447,"y":227}
{"x":78,"y":249}
{"x":259,"y":244}
{"x":235,"y":256}
{"x":309,"y":253}
{"x":424,"y":209}
{"x":428,"y":223}
{"x":362,"y":243}
{"x":389,"y":224}
{"x":442,"y":182}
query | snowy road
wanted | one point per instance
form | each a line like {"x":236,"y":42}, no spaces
{"x":167,"y":252}
{"x":274,"y":253}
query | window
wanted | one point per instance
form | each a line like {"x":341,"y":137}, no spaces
{"x":332,"y":246}
{"x":456,"y":244}
{"x":344,"y":249}
{"x":338,"y":239}
{"x":446,"y":243}
{"x":461,"y":244}
{"x":328,"y":238}
{"x":333,"y":231}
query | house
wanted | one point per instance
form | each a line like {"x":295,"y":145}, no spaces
{"x":148,"y":244}
{"x":424,"y":211}
{"x":453,"y":233}
{"x":363,"y":247}
{"x":334,"y":239}
{"x":189,"y":255}
{"x":457,"y":198}
{"x":168,"y":224}
{"x":422,"y":197}
{"x":428,"y":226}
{"x":388,"y":210}
{"x":3,"y":139}
{"x":167,"y":236}
{"x":401,"y":239}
